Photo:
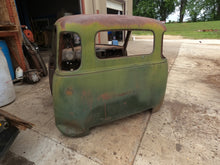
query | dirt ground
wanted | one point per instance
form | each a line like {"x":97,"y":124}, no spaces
{"x":166,"y":37}
{"x":185,"y":131}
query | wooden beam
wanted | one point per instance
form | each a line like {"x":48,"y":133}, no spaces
{"x":8,"y":33}
{"x":15,"y":121}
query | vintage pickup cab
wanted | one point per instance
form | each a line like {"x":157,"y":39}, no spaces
{"x":94,"y":76}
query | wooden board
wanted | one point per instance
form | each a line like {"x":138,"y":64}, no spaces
{"x":17,"y":122}
{"x":4,"y":12}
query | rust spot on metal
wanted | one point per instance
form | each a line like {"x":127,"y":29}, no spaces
{"x":86,"y":96}
{"x":106,"y":96}
{"x":69,"y":91}
{"x":71,"y":113}
{"x":84,"y":93}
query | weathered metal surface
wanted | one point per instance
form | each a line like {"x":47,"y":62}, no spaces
{"x":105,"y":90}
{"x":109,"y":21}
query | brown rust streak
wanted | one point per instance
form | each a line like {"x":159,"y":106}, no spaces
{"x":69,"y":91}
{"x":87,"y":97}
{"x":106,"y":96}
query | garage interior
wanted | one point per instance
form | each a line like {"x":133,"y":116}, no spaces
{"x":40,"y":16}
{"x":36,"y":20}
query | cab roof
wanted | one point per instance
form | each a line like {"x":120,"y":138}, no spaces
{"x":109,"y":20}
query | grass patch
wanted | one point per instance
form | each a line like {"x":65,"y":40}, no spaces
{"x":191,"y":30}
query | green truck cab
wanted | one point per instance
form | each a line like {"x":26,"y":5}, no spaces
{"x":96,"y":79}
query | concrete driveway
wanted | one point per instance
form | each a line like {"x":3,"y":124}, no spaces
{"x":185,"y":131}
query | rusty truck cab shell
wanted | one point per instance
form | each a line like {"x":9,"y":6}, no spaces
{"x":103,"y":90}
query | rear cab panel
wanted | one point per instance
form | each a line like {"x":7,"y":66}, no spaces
{"x":103,"y":90}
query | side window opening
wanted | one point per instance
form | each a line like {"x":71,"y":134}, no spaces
{"x":70,"y":51}
{"x":113,"y":44}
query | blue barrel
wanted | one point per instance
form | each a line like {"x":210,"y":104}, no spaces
{"x":5,"y":51}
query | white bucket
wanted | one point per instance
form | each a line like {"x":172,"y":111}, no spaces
{"x":18,"y":72}
{"x":7,"y":92}
{"x":133,"y":38}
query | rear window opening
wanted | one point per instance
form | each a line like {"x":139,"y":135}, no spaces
{"x":70,"y":51}
{"x":112,"y":44}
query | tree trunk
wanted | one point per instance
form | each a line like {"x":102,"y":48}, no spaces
{"x":182,"y":9}
{"x":218,"y":11}
{"x":163,"y":9}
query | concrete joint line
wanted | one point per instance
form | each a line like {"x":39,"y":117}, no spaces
{"x":175,"y":60}
{"x":147,"y":119}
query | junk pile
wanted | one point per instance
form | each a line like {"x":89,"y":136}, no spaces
{"x":29,"y":66}
{"x":36,"y":67}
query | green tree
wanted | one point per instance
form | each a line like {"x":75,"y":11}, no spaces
{"x":204,"y":10}
{"x":157,"y":9}
{"x":166,"y":7}
{"x":194,"y":8}
{"x":211,"y":10}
